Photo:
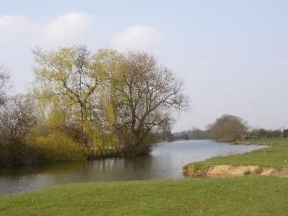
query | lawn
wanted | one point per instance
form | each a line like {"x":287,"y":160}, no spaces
{"x":227,"y":196}
{"x":275,"y":155}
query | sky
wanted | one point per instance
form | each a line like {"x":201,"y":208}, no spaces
{"x":231,"y":55}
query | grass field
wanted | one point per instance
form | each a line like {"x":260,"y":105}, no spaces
{"x":248,"y":195}
{"x":275,"y":155}
{"x":229,"y":196}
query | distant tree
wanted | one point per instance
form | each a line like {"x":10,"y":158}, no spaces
{"x":258,"y":133}
{"x":197,"y":134}
{"x":4,"y":79}
{"x":273,"y":133}
{"x":285,"y":133}
{"x":167,"y":136}
{"x":227,"y":128}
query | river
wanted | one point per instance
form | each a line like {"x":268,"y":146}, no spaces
{"x":165,"y":162}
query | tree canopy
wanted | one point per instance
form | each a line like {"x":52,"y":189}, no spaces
{"x":87,"y":105}
{"x":117,"y":100}
{"x":227,"y":128}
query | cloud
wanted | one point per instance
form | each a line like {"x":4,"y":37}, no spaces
{"x":15,"y":28}
{"x":68,"y":29}
{"x":64,"y":30}
{"x":18,"y":34}
{"x":137,"y":38}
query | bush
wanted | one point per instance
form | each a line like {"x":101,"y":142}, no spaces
{"x":16,"y":121}
{"x":58,"y":146}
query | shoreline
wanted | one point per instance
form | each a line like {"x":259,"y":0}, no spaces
{"x":270,"y":161}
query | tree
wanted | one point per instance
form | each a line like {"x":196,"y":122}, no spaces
{"x":68,"y":78}
{"x":227,"y":128}
{"x":17,"y":118}
{"x":145,"y":95}
{"x":118,"y":100}
{"x":4,"y":79}
{"x":197,"y":133}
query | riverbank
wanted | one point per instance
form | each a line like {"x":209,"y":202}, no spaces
{"x":249,"y":195}
{"x":220,"y":196}
{"x":270,"y":161}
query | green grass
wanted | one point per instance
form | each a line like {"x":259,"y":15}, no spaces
{"x":248,"y":195}
{"x":274,"y":156}
{"x":229,"y":196}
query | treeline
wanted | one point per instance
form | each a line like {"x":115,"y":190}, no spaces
{"x":264,"y":133}
{"x":194,"y":134}
{"x":87,"y":105}
{"x":227,"y":128}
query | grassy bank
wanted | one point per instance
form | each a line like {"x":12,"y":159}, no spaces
{"x":275,"y":155}
{"x":249,"y":195}
{"x":230,"y":196}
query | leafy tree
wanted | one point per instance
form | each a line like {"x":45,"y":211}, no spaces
{"x":68,"y":79}
{"x":118,"y":100}
{"x":227,"y":128}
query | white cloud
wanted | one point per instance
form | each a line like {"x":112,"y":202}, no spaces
{"x":137,"y":38}
{"x":18,"y":34}
{"x":68,"y":29}
{"x":15,"y":28}
{"x":64,"y":30}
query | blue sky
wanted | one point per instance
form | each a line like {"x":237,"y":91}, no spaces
{"x":231,"y":55}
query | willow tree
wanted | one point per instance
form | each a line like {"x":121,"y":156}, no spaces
{"x":117,"y":99}
{"x":145,"y":95}
{"x":68,"y":78}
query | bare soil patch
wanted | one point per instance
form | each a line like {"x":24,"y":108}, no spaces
{"x":229,"y":170}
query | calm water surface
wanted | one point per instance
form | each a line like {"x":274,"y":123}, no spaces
{"x":165,"y":162}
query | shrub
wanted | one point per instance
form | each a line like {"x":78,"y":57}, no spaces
{"x":58,"y":146}
{"x":16,"y":120}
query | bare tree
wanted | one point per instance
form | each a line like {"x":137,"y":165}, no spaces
{"x":146,"y":93}
{"x":4,"y":79}
{"x":17,"y":118}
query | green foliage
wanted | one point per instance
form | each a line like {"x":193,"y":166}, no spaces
{"x":104,"y":104}
{"x":227,"y":128}
{"x":106,"y":94}
{"x":58,"y":146}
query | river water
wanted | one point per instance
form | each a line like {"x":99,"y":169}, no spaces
{"x":165,"y":162}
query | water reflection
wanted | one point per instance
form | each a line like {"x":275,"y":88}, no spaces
{"x":165,"y":162}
